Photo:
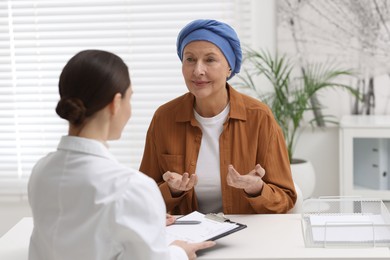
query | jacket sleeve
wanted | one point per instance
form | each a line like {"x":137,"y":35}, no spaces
{"x":149,"y":163}
{"x":150,"y":166}
{"x":278,"y":194}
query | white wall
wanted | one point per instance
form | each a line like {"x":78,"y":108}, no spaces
{"x":321,"y":148}
{"x":264,"y":18}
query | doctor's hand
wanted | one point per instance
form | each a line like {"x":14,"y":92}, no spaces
{"x":179,"y":183}
{"x":169,"y":219}
{"x":191,"y":248}
{"x":251,"y":183}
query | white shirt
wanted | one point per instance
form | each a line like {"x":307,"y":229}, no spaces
{"x":86,"y":205}
{"x":208,"y":188}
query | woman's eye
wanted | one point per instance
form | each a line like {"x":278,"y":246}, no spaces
{"x":189,"y":59}
{"x":210,"y":60}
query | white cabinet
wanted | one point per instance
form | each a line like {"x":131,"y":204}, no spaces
{"x":365,"y":156}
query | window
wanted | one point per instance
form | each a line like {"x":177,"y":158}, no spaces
{"x":38,"y":38}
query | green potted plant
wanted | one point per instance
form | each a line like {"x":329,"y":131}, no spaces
{"x":293,"y":96}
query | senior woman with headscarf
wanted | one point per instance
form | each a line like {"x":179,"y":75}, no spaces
{"x":214,"y":149}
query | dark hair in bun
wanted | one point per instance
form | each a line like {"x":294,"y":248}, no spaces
{"x":88,"y":82}
{"x":72,"y":109}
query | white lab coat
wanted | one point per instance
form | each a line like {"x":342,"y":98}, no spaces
{"x":86,"y":205}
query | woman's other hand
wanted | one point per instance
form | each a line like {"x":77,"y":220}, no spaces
{"x":179,"y":183}
{"x":251,"y":183}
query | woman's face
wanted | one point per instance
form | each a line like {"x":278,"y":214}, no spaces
{"x":205,"y":69}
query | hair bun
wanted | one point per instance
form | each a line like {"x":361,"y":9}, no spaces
{"x":71,"y":109}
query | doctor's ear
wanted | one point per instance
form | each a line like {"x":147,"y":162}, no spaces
{"x":115,"y":104}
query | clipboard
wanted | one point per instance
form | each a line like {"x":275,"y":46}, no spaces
{"x":212,"y":227}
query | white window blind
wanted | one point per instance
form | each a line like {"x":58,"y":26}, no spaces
{"x":38,"y":37}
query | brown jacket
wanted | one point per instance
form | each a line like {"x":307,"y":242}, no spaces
{"x":250,"y":136}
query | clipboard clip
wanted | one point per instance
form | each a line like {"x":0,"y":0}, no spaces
{"x":220,"y":217}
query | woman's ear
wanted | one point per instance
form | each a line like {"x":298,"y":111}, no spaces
{"x":115,"y":104}
{"x":229,"y":73}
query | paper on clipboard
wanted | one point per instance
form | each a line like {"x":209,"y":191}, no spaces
{"x":208,"y":229}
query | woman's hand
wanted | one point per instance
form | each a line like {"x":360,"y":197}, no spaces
{"x":179,"y":183}
{"x":191,"y":248}
{"x":251,"y":183}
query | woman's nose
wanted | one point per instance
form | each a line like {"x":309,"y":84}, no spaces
{"x":199,"y":69}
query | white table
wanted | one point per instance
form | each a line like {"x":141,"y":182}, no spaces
{"x":14,"y":243}
{"x":280,"y":237}
{"x":266,"y":237}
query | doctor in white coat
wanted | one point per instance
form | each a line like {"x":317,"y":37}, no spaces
{"x":85,"y":204}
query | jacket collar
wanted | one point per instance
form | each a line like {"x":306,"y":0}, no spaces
{"x":237,"y":106}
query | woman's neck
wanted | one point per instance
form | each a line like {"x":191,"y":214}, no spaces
{"x":212,"y":106}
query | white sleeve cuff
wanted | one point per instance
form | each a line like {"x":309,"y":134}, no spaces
{"x":177,"y":253}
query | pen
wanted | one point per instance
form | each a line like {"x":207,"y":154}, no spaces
{"x":186,"y":222}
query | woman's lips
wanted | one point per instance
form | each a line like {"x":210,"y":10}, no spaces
{"x":200,"y":83}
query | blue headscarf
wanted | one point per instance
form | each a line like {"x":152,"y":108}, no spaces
{"x":220,"y":34}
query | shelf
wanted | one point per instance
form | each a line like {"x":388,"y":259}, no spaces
{"x":365,"y":121}
{"x":365,"y":156}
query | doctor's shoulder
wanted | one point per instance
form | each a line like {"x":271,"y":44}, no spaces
{"x":127,"y":176}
